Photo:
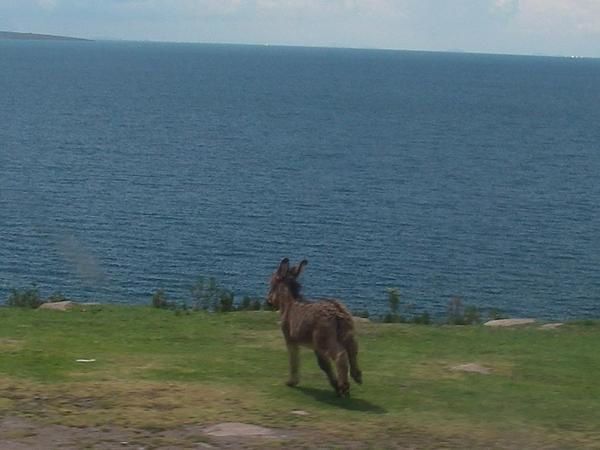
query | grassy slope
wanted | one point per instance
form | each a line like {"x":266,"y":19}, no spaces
{"x":155,"y":369}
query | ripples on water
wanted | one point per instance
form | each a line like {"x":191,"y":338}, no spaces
{"x":128,"y":167}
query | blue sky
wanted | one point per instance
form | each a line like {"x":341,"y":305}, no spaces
{"x":551,"y":27}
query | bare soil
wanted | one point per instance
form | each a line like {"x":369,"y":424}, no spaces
{"x":18,"y":433}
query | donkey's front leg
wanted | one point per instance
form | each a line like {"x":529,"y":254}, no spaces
{"x":294,"y":354}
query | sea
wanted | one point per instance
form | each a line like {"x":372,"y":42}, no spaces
{"x":127,"y":167}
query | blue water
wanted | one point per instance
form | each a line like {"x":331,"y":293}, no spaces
{"x":125,"y":167}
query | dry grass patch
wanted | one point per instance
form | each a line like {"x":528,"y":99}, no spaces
{"x":10,"y":345}
{"x":138,"y":405}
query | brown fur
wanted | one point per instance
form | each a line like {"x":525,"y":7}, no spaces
{"x":325,"y":326}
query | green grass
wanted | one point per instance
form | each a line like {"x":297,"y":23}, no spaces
{"x":156,"y":369}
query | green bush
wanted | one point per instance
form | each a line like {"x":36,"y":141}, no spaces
{"x":496,"y":314}
{"x":458,"y":314}
{"x":57,"y":297}
{"x":205,"y":294}
{"x":392,"y":318}
{"x":266,"y":306}
{"x":361,"y":313}
{"x":393,"y":300}
{"x":159,"y":300}
{"x":225,"y":303}
{"x":472,"y":315}
{"x":422,"y":319}
{"x":249,"y":304}
{"x":25,"y":298}
{"x":455,"y":311}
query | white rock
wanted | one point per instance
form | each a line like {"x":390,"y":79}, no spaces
{"x":58,"y":306}
{"x":508,"y":322}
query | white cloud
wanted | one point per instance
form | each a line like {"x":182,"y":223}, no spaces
{"x":181,"y":7}
{"x":505,"y":7}
{"x":560,"y":17}
{"x":47,"y":4}
{"x":320,"y":8}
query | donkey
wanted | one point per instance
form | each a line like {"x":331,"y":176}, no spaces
{"x":325,"y":326}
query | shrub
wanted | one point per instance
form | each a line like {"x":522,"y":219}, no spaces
{"x":393,"y":300}
{"x":255,"y":305}
{"x":496,"y":314}
{"x":249,"y":304}
{"x":393,"y":297}
{"x":205,"y":294}
{"x":392,"y":318}
{"x":461,"y":315}
{"x":422,"y":319}
{"x":472,"y":315}
{"x":25,"y":298}
{"x":225,"y":303}
{"x":455,"y":311}
{"x":57,"y":297}
{"x":159,"y":300}
{"x":361,"y":313}
{"x":266,"y":306}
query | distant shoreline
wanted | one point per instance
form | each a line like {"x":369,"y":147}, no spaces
{"x":10,"y":35}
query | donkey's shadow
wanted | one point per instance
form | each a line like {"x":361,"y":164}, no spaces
{"x":351,"y":404}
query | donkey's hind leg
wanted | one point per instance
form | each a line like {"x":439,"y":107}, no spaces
{"x":352,"y":350}
{"x":325,"y":366}
{"x":341,"y":362}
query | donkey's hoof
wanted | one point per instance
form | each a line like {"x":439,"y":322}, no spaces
{"x":357,"y":376}
{"x":291,"y":383}
{"x":343,"y":390}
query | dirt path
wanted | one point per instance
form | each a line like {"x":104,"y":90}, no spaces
{"x":23,"y":434}
{"x":18,"y":433}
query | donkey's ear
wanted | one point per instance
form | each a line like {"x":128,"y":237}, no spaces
{"x":297,"y":270}
{"x":284,"y":267}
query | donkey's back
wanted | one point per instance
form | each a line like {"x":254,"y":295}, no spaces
{"x":311,"y":321}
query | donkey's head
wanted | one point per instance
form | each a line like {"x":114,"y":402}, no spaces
{"x":284,"y":283}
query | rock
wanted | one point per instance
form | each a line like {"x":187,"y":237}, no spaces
{"x":234,"y":429}
{"x":508,"y":322}
{"x":551,"y":326}
{"x":58,"y":306}
{"x":472,"y":368}
{"x":299,"y":412}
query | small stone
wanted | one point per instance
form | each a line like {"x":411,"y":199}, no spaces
{"x":299,"y":412}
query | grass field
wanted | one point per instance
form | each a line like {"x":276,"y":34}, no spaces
{"x":157,"y":372}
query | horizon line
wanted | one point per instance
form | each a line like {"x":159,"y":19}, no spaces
{"x":315,"y":46}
